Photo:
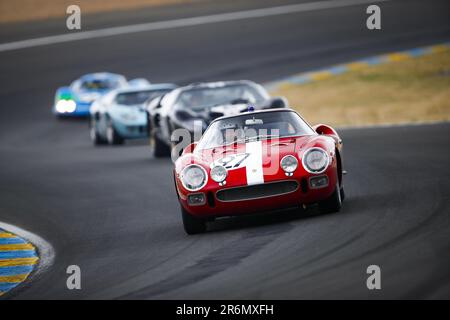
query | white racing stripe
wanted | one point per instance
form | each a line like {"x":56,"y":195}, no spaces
{"x":254,"y":166}
{"x":185,"y":22}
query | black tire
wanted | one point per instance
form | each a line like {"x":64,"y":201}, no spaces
{"x":160,"y":149}
{"x":95,"y":137}
{"x":301,"y":210}
{"x":333,"y":203}
{"x":341,"y":189}
{"x":192,"y":225}
{"x":112,"y":136}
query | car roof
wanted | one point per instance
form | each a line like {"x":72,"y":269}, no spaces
{"x":100,"y":76}
{"x":254,"y":112}
{"x":215,"y":84}
{"x":155,"y":86}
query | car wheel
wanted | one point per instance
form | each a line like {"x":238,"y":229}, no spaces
{"x":333,"y":203}
{"x":341,"y":189}
{"x":95,"y":137}
{"x":192,"y":225}
{"x":112,"y":136}
{"x":160,"y":149}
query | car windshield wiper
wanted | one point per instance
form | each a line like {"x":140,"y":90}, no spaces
{"x":247,"y":139}
{"x":259,"y":137}
{"x":234,"y":101}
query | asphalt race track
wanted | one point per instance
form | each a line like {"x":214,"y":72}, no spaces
{"x":113,"y":210}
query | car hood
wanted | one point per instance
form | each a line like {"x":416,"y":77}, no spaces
{"x":252,"y":162}
{"x":88,"y":96}
{"x":128,"y":114}
{"x":228,"y":109}
{"x":284,"y":144}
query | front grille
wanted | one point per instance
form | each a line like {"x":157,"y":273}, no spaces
{"x":210,"y":198}
{"x":270,"y":189}
{"x":136,"y":129}
{"x":304,"y":185}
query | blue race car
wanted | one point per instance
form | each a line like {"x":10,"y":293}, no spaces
{"x":76,"y":99}
{"x":121,"y":113}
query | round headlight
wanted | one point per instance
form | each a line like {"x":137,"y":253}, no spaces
{"x":63,"y":106}
{"x":71,"y":106}
{"x":315,"y":160}
{"x":219,"y":173}
{"x":289,"y":164}
{"x":193,"y":177}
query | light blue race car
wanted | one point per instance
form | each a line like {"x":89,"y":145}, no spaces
{"x":121,"y":113}
{"x":76,"y":99}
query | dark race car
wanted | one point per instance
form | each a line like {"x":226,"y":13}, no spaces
{"x":199,"y":104}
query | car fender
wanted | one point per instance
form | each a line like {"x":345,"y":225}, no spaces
{"x":64,"y":93}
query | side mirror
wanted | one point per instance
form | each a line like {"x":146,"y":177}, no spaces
{"x":190,"y":148}
{"x":158,"y":103}
{"x":325,"y":129}
{"x":278,"y":102}
{"x":153,"y":104}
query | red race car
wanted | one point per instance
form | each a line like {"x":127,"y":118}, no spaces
{"x":258,"y":161}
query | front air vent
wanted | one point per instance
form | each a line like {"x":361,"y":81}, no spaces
{"x":258,"y":191}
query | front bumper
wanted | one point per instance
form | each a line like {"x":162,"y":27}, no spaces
{"x":131,"y":130}
{"x":272,"y":195}
{"x":81,"y":110}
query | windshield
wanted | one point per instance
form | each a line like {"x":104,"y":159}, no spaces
{"x":200,"y":98}
{"x":99,"y":84}
{"x":138,"y":97}
{"x":254,"y":126}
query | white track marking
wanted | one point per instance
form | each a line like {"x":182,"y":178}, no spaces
{"x":254,"y":166}
{"x":184,"y":22}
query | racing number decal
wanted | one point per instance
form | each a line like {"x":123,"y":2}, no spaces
{"x":233,"y":161}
